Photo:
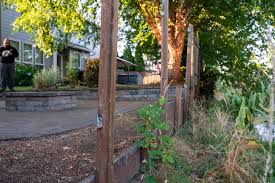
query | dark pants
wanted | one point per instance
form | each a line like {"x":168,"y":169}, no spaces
{"x":7,"y":73}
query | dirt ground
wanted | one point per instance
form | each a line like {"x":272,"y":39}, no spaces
{"x":68,"y":157}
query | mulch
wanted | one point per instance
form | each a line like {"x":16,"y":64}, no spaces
{"x":68,"y":157}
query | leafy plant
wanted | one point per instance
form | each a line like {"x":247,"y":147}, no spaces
{"x":156,"y":140}
{"x":24,"y":74}
{"x":245,"y":107}
{"x":72,"y":76}
{"x":46,"y":79}
{"x":91,"y":72}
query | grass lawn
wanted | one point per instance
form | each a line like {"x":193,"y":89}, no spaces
{"x":60,"y":88}
{"x":23,"y":88}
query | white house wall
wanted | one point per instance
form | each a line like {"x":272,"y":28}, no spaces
{"x":8,"y":16}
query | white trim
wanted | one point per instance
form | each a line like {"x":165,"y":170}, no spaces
{"x":23,"y":46}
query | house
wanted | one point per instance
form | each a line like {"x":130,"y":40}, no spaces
{"x":75,"y":54}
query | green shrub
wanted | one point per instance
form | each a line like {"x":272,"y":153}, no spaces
{"x":91,"y":72}
{"x":72,"y":76}
{"x":46,"y":79}
{"x":158,"y":146}
{"x":24,"y":74}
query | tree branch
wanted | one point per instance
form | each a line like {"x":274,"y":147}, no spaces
{"x":152,"y":20}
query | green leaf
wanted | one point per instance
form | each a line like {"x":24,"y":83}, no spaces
{"x":241,"y":115}
{"x":150,"y":179}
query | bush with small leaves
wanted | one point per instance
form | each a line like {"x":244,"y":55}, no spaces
{"x":24,"y":74}
{"x":91,"y":72}
{"x":72,"y":76}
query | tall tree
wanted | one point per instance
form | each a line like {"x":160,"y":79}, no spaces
{"x":139,"y":61}
{"x":127,"y":54}
{"x":228,"y":29}
{"x":150,"y":14}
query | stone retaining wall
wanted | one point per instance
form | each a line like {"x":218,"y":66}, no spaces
{"x":128,"y":94}
{"x":60,"y":100}
{"x":39,"y":101}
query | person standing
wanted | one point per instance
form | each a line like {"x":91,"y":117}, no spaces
{"x":8,"y":54}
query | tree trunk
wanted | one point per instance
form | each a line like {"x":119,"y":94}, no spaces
{"x":176,"y":33}
{"x":175,"y":59}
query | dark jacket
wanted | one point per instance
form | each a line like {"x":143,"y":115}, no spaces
{"x":8,"y":54}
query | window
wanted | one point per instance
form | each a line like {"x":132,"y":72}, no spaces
{"x":16,"y":45}
{"x":83,"y":61}
{"x":27,"y":53}
{"x":38,"y":57}
{"x":76,"y":60}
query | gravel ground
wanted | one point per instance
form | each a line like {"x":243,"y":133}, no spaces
{"x":69,"y":157}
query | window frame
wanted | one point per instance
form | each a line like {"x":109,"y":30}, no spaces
{"x":72,"y":60}
{"x":43,"y":58}
{"x":19,"y":58}
{"x":83,"y":61}
{"x":23,"y":46}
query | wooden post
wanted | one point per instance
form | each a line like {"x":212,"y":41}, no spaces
{"x":196,"y":67}
{"x":178,"y":121}
{"x":193,"y":69}
{"x":188,"y":70}
{"x":199,"y":73}
{"x":164,"y":50}
{"x":106,"y":91}
{"x":269,"y":168}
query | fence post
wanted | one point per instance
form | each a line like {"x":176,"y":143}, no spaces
{"x":164,"y":56}
{"x":179,"y":115}
{"x":199,"y":73}
{"x":196,"y":68}
{"x":192,"y":68}
{"x":164,"y":49}
{"x":188,"y":71}
{"x":106,"y":91}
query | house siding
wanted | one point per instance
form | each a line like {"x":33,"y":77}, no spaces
{"x":8,"y":16}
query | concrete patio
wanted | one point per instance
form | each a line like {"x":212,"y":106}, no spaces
{"x":33,"y":124}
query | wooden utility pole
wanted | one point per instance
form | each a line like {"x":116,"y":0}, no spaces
{"x":164,"y":50}
{"x":106,"y":91}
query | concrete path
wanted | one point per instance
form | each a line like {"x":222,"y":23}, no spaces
{"x":34,"y":124}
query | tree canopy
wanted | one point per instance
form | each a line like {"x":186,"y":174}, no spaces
{"x":228,"y":30}
{"x":52,"y":23}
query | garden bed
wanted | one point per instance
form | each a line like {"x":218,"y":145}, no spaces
{"x":68,"y":157}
